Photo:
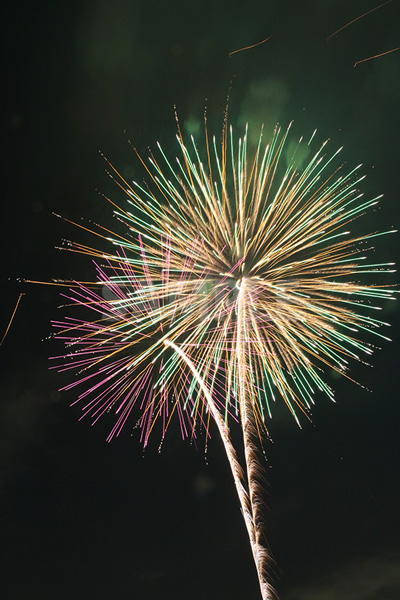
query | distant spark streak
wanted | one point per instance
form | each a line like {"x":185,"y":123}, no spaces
{"x":356,"y":19}
{"x":375,"y":56}
{"x":249,"y":47}
{"x":12,"y":318}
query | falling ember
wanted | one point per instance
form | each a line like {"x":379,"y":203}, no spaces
{"x":11,"y":318}
{"x":376,"y":56}
{"x":357,"y":18}
{"x":237,"y":281}
{"x":249,"y":47}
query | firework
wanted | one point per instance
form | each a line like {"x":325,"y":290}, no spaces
{"x":235,"y":281}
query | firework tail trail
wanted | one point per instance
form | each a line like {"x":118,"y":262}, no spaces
{"x":248,"y":502}
{"x":249,"y":429}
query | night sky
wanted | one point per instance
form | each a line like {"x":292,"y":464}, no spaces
{"x":83,"y":519}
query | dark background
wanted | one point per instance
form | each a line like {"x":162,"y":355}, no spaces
{"x":85,"y":519}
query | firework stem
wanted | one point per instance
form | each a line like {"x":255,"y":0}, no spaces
{"x":253,"y":467}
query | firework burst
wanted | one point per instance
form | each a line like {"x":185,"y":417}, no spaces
{"x":236,"y":281}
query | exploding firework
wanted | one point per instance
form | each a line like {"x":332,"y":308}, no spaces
{"x":236,"y":281}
